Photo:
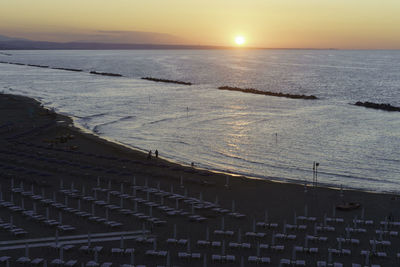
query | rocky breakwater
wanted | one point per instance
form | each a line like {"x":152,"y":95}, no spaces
{"x":165,"y":81}
{"x":67,"y":69}
{"x":386,"y":107}
{"x":259,"y":92}
{"x":106,"y":74}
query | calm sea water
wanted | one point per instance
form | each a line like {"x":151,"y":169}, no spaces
{"x":255,"y":135}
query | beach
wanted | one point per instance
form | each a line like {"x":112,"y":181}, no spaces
{"x":45,"y":154}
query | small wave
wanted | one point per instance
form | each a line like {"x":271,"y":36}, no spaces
{"x":162,"y":120}
{"x":98,"y":126}
{"x":89,"y":117}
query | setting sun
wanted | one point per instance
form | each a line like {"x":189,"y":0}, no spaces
{"x":239,"y":40}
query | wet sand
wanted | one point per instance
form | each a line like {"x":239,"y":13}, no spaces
{"x":43,"y":151}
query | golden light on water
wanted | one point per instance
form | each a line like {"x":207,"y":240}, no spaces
{"x":240,"y":40}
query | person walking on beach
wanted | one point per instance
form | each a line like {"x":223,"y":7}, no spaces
{"x":149,"y":155}
{"x":156,"y":153}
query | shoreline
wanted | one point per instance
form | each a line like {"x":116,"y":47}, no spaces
{"x":225,"y":172}
{"x":109,"y":141}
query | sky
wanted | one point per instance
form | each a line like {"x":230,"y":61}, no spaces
{"x":342,"y":24}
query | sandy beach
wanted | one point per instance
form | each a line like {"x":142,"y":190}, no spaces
{"x":97,"y":187}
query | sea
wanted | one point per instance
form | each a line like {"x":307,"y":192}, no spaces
{"x":258,"y":136}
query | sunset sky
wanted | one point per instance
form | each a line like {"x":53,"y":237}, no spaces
{"x":353,"y":24}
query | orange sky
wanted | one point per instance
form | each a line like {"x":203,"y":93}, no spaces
{"x":353,"y":24}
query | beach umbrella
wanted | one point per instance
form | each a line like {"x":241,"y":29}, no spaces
{"x":132,"y":260}
{"x":227,"y":182}
{"x":121,"y":245}
{"x":89,"y":239}
{"x":273,"y":238}
{"x":61,"y":254}
{"x":56,"y":238}
{"x":26,"y":250}
{"x":188,"y":246}
{"x":174,"y":236}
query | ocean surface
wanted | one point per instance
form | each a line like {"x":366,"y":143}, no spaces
{"x":255,"y":135}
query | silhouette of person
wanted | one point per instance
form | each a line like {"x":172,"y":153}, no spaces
{"x":149,"y":155}
{"x":156,"y":153}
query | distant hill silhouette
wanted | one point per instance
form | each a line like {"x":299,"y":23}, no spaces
{"x":9,"y":43}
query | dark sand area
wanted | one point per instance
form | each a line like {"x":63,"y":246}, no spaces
{"x":53,"y":176}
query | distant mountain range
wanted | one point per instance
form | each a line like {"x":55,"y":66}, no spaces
{"x":10,"y":43}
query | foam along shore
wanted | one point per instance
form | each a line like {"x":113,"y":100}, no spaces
{"x":386,"y":107}
{"x":165,"y":80}
{"x":74,"y":188}
{"x":259,"y":92}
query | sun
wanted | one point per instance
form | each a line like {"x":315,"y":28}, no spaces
{"x":240,"y":40}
